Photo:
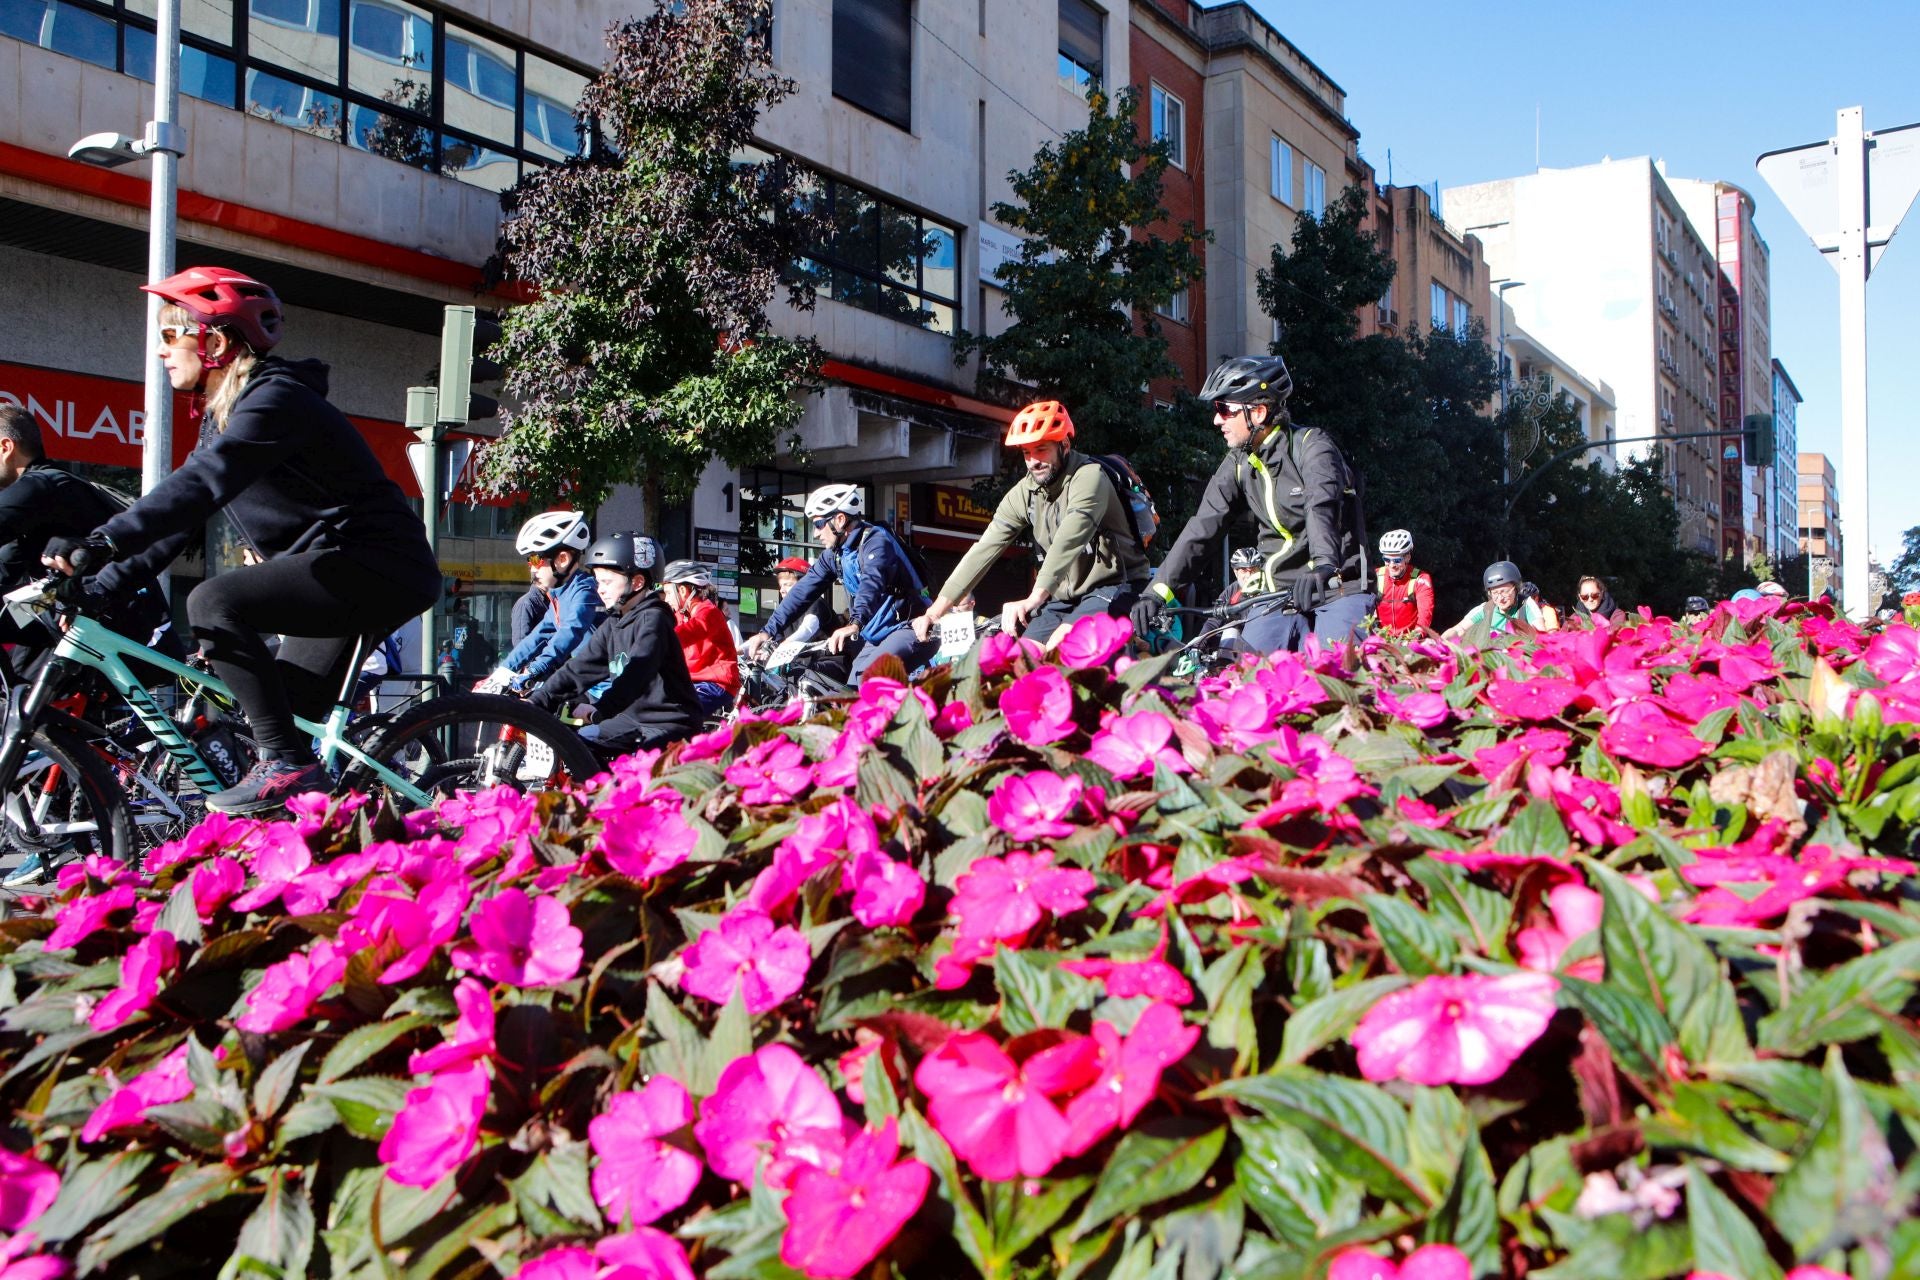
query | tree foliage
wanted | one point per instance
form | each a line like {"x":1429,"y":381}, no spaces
{"x":1084,"y":293}
{"x":647,"y":352}
{"x":1903,"y":575}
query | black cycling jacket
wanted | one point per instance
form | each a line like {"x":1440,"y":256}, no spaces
{"x":1301,"y":494}
{"x":295,"y":476}
{"x":637,"y":651}
{"x":45,"y":502}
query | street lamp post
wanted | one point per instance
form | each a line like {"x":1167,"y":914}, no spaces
{"x":1500,"y":304}
{"x":165,"y":142}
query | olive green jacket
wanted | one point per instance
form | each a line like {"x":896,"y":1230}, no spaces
{"x":1081,"y":523}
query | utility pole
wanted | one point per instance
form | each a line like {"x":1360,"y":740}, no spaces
{"x":1849,"y":194}
{"x":423,"y":419}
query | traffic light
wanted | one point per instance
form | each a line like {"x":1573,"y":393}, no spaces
{"x":1757,"y":441}
{"x":465,"y":337}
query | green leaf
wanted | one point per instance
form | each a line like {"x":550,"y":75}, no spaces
{"x":1333,"y":1017}
{"x":279,"y":1232}
{"x":1020,"y":1217}
{"x":1154,"y":1162}
{"x":1480,"y":916}
{"x":1417,"y":946}
{"x":1536,"y":829}
{"x":181,"y":918}
{"x":489,"y":1221}
{"x":191,"y":1189}
{"x":91,"y":1192}
{"x":1649,"y":953}
{"x":1296,"y":1192}
{"x":1035,"y":993}
{"x":969,"y":1228}
{"x":1630,"y":1024}
{"x":876,"y":1086}
{"x":1840,"y":1184}
{"x":276,"y":1081}
{"x":912,"y":735}
{"x":1693,"y":1119}
{"x":1724,"y":1239}
{"x":1359,"y":1127}
{"x":1207,"y":1236}
{"x":678,"y":1046}
{"x":1617,"y":1248}
{"x":1847,"y":1003}
{"x":732,"y":1038}
{"x":362,"y":1043}
{"x":1794,"y":1089}
{"x":1469,"y":1217}
{"x":367,"y":1104}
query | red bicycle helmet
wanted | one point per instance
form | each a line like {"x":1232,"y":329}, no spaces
{"x":220,"y":296}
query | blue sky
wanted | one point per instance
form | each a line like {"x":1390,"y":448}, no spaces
{"x":1451,"y":89}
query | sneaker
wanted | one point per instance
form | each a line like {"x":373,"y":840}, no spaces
{"x":37,"y":870}
{"x":268,"y":786}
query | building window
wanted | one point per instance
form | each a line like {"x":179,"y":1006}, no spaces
{"x":1462,"y":316}
{"x":1082,"y":43}
{"x":1175,"y":308}
{"x":1442,"y":305}
{"x":1313,"y":188}
{"x":391,"y":77}
{"x":1280,"y":181}
{"x":880,"y":256}
{"x":873,"y":57}
{"x":1170,"y":125}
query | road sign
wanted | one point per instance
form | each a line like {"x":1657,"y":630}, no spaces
{"x":1807,"y":180}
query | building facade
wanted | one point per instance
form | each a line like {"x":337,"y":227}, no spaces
{"x":1169,"y":64}
{"x":1786,"y":466}
{"x":1539,"y":377}
{"x":1611,"y":274}
{"x":1440,"y":276}
{"x":1821,"y":536}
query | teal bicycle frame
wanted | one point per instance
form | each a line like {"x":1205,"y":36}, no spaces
{"x":91,"y":644}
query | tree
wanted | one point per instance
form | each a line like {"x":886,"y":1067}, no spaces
{"x":646,"y":351}
{"x":1084,"y":292}
{"x":1903,"y":575}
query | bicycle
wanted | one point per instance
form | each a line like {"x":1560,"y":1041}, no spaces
{"x":1219,"y":623}
{"x":60,"y":792}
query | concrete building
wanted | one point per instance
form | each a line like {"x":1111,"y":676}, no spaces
{"x":1783,"y":503}
{"x":1617,"y":281}
{"x":1722,"y":215}
{"x":1821,"y":536}
{"x":1540,"y":376}
{"x":1440,"y":276}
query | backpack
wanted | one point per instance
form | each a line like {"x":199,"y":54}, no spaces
{"x":915,"y":561}
{"x":1133,"y":491}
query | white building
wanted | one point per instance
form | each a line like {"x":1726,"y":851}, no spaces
{"x":1540,"y":376}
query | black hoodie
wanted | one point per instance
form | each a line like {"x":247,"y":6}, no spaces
{"x":295,"y":476}
{"x":649,"y":697}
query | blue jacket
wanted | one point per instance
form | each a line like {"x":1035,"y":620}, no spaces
{"x":572,"y":613}
{"x":881,"y":582}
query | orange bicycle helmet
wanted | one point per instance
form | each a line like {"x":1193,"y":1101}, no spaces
{"x":1042,"y":421}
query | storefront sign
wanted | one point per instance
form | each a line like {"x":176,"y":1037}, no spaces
{"x":720,"y":550}
{"x":951,"y":507}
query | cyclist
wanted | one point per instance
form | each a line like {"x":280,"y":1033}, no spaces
{"x":1245,"y":563}
{"x":700,"y":622}
{"x":1081,"y":523}
{"x":1302,"y":495}
{"x":884,"y":587}
{"x":1593,"y":604}
{"x":342,"y":555}
{"x":1405,"y":593}
{"x":532,"y":606}
{"x":646,"y":697}
{"x":552,"y":540}
{"x":1506,"y":608}
{"x":818,"y":619}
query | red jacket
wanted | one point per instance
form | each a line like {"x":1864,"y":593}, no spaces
{"x":1405,"y":603}
{"x":708,"y":644}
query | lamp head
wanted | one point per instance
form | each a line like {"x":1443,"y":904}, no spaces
{"x":108,"y":150}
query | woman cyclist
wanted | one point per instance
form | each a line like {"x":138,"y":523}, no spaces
{"x":700,"y":622}
{"x":1406,"y":594}
{"x":341,"y":554}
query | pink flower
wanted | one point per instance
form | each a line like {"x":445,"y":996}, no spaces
{"x":1123,"y":979}
{"x":215,"y":883}
{"x":1576,"y":913}
{"x":1092,"y":641}
{"x":1502,"y":760}
{"x":569,"y":1262}
{"x":1454,"y":1030}
{"x":746,"y":951}
{"x":491,"y":821}
{"x":643,"y":836}
{"x":772,"y":773}
{"x":1004,"y":897}
{"x":419,"y":925}
{"x":140,"y":971}
{"x":639,"y":1177}
{"x":19,"y":1262}
{"x":280,"y":856}
{"x":81,"y":918}
{"x":642,"y":1254}
{"x":838,"y":1220}
{"x":216,"y":831}
{"x":1811,"y":1272}
{"x":1428,"y":1262}
{"x":885,"y":893}
{"x":1133,"y":746}
{"x":1542,"y":698}
{"x":1035,"y":806}
{"x":165,"y":1081}
{"x":837,"y":833}
{"x":1039,"y":707}
{"x":1644,"y":734}
{"x":521,"y":941}
{"x":997,"y":1114}
{"x":1421,"y":710}
{"x":1818,"y":871}
{"x":1420,"y":813}
{"x":999,"y":651}
{"x":759,"y":1101}
{"x":27,"y":1188}
{"x":1894,"y":654}
{"x":472,"y":1037}
{"x":436,"y":1130}
{"x":287,"y":990}
{"x":1129,"y":1073}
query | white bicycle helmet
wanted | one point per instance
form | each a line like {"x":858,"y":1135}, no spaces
{"x":830,"y":499}
{"x":688,"y":573}
{"x":1396,"y":542}
{"x":552,"y":531}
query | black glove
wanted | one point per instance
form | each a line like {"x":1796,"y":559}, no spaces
{"x":86,"y":555}
{"x":1311,"y":590}
{"x":83,"y":595}
{"x":1147,"y":610}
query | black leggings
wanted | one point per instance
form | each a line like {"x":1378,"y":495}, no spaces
{"x":319,"y":602}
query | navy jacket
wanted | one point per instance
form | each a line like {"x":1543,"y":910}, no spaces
{"x":573,"y":612}
{"x":883,"y":588}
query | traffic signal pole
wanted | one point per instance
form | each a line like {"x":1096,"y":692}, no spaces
{"x":423,"y":419}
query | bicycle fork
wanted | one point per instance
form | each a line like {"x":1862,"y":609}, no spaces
{"x":24,"y":711}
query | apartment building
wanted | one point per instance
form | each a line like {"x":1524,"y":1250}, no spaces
{"x":1819,"y":500}
{"x":1786,"y":466}
{"x":1612,"y":275}
{"x":1169,"y":65}
{"x":1538,"y":377}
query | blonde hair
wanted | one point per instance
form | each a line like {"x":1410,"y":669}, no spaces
{"x":230,"y":379}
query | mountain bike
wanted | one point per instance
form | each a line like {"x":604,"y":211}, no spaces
{"x":59,"y":791}
{"x":1214,"y":645}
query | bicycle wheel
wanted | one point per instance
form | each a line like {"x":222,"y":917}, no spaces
{"x":471,"y":741}
{"x":64,"y":800}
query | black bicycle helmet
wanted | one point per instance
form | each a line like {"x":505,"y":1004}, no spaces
{"x":1250,"y":380}
{"x":1246,"y":558}
{"x":1501,"y":573}
{"x":627,"y":553}
{"x":1698,"y":604}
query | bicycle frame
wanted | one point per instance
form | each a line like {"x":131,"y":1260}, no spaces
{"x":90,"y":643}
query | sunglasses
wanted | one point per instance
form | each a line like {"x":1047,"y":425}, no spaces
{"x":538,"y":562}
{"x":1591,"y":597}
{"x":821,"y":522}
{"x":1227,"y":408}
{"x":1394,"y":559}
{"x":172,"y":333}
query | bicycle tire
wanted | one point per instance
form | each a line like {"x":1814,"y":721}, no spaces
{"x":91,"y":793}
{"x":435,"y":733}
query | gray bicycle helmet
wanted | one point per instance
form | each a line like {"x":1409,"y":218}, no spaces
{"x":1698,"y":604}
{"x":1250,"y":380}
{"x":627,"y":553}
{"x":1246,"y":558}
{"x":1501,"y":573}
{"x":688,"y":573}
